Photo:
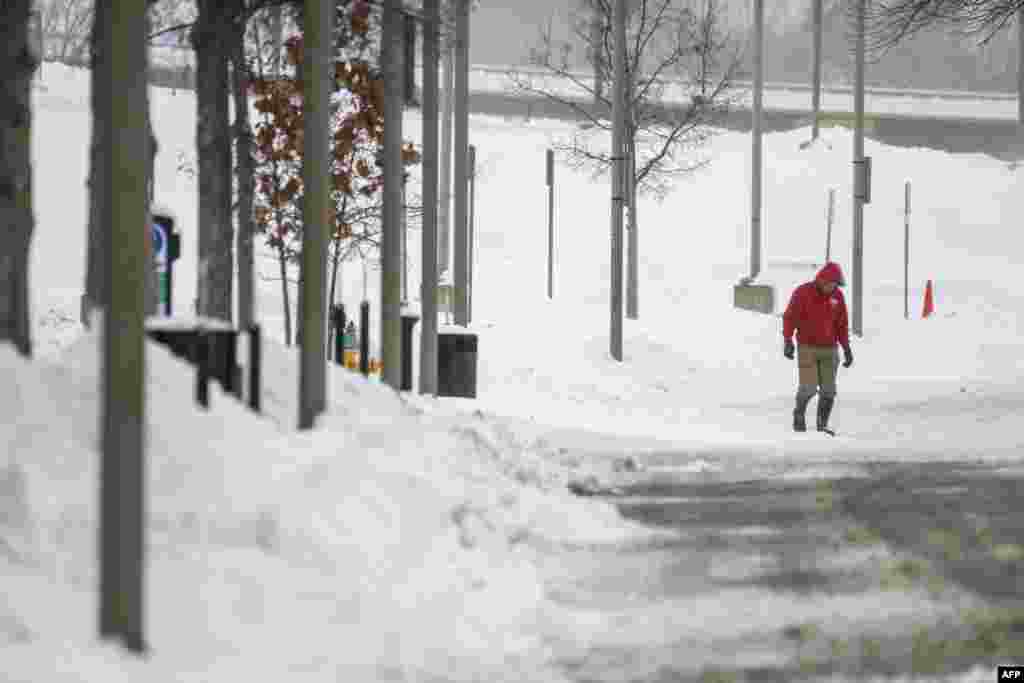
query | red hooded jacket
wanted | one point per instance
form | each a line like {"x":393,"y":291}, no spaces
{"x":818,"y":319}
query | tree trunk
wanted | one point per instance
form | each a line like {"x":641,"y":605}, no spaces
{"x":335,"y":266}
{"x":126,"y":158}
{"x":298,"y":311}
{"x":244,"y":168}
{"x":283,"y":263}
{"x":152,"y":284}
{"x":428,"y":273}
{"x":211,"y":38}
{"x":17,"y":65}
{"x":98,"y":230}
{"x":390,"y":243}
{"x":277,"y":36}
{"x":633,"y":267}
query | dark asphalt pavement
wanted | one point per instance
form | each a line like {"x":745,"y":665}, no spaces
{"x":915,"y":568}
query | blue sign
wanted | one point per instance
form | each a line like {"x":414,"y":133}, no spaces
{"x":159,"y":244}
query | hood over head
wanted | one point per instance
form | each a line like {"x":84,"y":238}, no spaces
{"x":831,"y":272}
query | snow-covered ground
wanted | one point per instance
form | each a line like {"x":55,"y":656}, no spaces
{"x":405,"y":537}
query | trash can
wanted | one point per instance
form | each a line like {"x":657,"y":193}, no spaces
{"x":409,"y":321}
{"x":337,"y":348}
{"x":456,"y":364}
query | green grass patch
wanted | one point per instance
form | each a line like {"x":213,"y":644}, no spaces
{"x":949,"y":541}
{"x":718,"y":676}
{"x":997,"y":632}
{"x":824,"y":497}
{"x":902,"y":574}
{"x":1008,"y":552}
{"x":801,"y":633}
{"x":860,"y":535}
{"x":871,"y":648}
{"x":807,"y":665}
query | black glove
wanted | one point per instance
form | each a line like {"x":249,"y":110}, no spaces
{"x":847,"y":357}
{"x":788,"y":350}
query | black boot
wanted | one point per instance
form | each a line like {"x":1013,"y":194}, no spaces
{"x":799,"y":414}
{"x":824,"y":410}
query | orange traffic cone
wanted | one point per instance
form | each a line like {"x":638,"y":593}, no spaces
{"x":929,"y":302}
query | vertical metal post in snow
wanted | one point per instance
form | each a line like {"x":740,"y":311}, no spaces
{"x":428,"y":295}
{"x":391,"y":245}
{"x":444,"y":220}
{"x":818,"y":21}
{"x":618,"y":176}
{"x":756,"y":133}
{"x":317,"y":78}
{"x":122,"y":504}
{"x":405,"y":240}
{"x":460,"y":256}
{"x":906,"y":251}
{"x":859,"y":184}
{"x":409,"y":23}
{"x":550,"y":165}
{"x":1020,"y":66}
{"x":829,"y":221}
{"x":472,"y":233}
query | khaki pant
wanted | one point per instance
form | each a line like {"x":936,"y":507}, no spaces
{"x":818,"y":366}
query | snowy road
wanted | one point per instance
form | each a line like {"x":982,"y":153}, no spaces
{"x":854,"y":571}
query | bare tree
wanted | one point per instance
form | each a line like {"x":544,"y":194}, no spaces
{"x":244,"y":173}
{"x":672,"y":46}
{"x":17,"y":65}
{"x":890,"y":21}
{"x":212,"y":38}
{"x":66,"y":26}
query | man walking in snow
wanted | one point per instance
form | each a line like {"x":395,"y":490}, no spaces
{"x":817,"y":313}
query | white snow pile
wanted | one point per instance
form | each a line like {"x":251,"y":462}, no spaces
{"x":387,"y":544}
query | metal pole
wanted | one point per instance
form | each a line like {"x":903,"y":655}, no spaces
{"x":551,"y":221}
{"x":618,"y":175}
{"x":444,"y":221}
{"x":831,"y":218}
{"x":472,"y":233}
{"x":1020,"y":65}
{"x":461,"y":254}
{"x":428,"y":295}
{"x":317,"y":77}
{"x":409,"y":23}
{"x":756,"y":132}
{"x":391,"y":244}
{"x":816,"y":70}
{"x":857,"y":322}
{"x":906,"y":251}
{"x":405,"y":240}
